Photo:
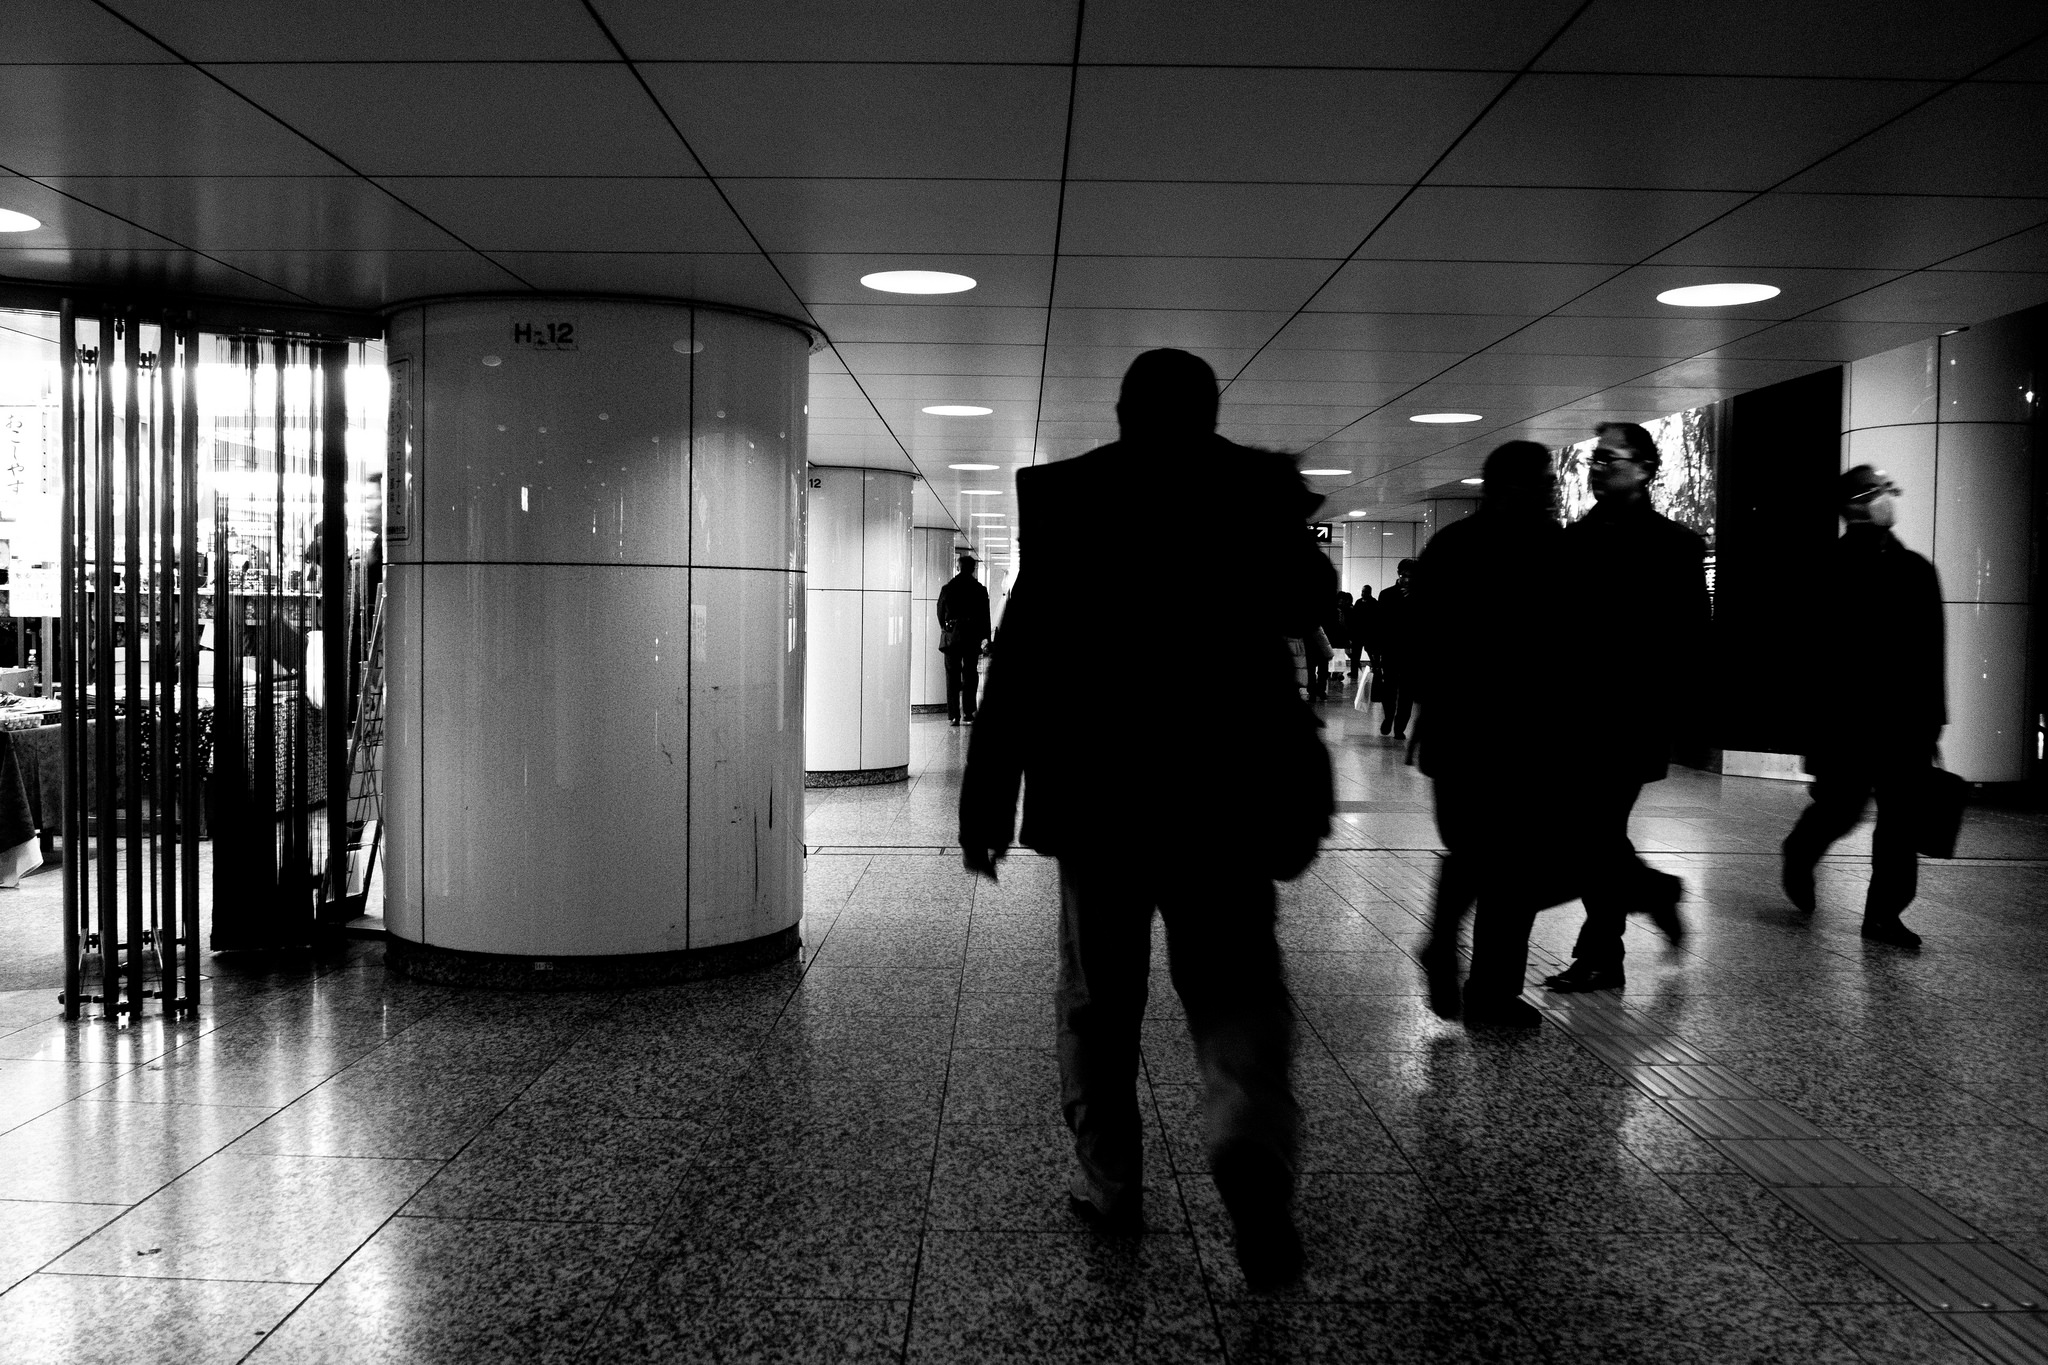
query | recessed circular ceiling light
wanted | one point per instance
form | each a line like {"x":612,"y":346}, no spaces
{"x":10,"y":221}
{"x":975,"y":468}
{"x":957,"y":410}
{"x":1439,"y":417}
{"x":998,"y":516}
{"x":1357,"y":512}
{"x":1469,"y":482}
{"x":917,"y":282}
{"x":1326,"y":471}
{"x":981,"y":492}
{"x":1718,"y":295}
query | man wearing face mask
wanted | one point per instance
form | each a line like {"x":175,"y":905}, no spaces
{"x":1640,"y":647}
{"x":1881,"y":703}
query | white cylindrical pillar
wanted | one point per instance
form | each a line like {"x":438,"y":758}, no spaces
{"x":594,"y":640}
{"x":1949,"y":419}
{"x":931,"y":565}
{"x":857,"y":679}
{"x":1373,"y":551}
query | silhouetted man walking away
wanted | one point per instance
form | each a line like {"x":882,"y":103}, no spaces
{"x":1640,"y":646}
{"x":963,"y":630}
{"x":1880,"y":702}
{"x":1485,"y":671}
{"x":1396,"y":691}
{"x":1193,"y":813}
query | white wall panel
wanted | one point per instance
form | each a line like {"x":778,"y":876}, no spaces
{"x":1988,"y":736}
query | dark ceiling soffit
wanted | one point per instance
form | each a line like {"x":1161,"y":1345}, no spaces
{"x":812,"y":333}
{"x":207,"y":312}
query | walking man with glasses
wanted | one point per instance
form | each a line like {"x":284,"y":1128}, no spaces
{"x":1880,"y":705}
{"x":1640,"y":651}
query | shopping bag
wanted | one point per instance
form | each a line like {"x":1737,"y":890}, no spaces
{"x":1940,"y":814}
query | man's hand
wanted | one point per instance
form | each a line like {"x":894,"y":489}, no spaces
{"x":982,"y":861}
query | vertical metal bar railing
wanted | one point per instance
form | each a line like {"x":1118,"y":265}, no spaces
{"x":62,"y":635}
{"x":136,"y":715}
{"x":166,"y":658}
{"x":190,"y":809}
{"x":334,"y":622}
{"x":102,"y":645}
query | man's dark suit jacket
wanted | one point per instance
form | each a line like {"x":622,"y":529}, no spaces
{"x":963,"y":609}
{"x":1212,"y":759}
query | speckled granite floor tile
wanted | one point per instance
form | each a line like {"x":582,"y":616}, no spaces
{"x":1014,"y":1179}
{"x":37,"y":1233}
{"x":541,"y":1164}
{"x":1258,"y":1333}
{"x":62,"y":1319}
{"x":657,"y":1328}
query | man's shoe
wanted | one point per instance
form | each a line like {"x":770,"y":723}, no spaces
{"x":1125,"y":1216}
{"x":1584,"y":976}
{"x":1663,"y":909}
{"x":1797,"y":879}
{"x":1513,"y":1012}
{"x":954,"y":721}
{"x":1889,"y":930}
{"x":1256,"y":1192}
{"x":1387,"y":726}
{"x":1440,"y":976}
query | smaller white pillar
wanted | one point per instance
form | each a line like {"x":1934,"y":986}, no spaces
{"x":1373,"y":551}
{"x":932,"y":552}
{"x":857,"y":657}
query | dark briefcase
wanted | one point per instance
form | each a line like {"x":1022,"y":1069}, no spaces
{"x":1942,"y":795}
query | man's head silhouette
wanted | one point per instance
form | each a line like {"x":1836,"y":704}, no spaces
{"x":1167,"y":394}
{"x":1518,"y":477}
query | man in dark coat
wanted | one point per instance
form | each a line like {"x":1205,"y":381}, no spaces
{"x":1396,"y":694}
{"x":963,"y":630}
{"x":1484,"y":669}
{"x":1361,"y":629}
{"x":1193,"y":813}
{"x":1640,"y":644}
{"x":1880,"y":702}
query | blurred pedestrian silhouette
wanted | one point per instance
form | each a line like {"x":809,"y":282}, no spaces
{"x":1193,"y":812}
{"x":963,"y":630}
{"x":1396,"y":629}
{"x":1361,"y":622}
{"x":1639,"y":645}
{"x":1878,"y":706}
{"x":1486,"y":669}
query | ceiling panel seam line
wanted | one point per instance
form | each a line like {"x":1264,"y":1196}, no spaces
{"x":1409,"y":192}
{"x":661,"y":110}
{"x":1059,"y":223}
{"x":306,"y":138}
{"x":1945,"y":89}
{"x":175,"y":244}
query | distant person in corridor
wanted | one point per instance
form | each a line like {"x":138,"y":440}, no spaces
{"x":1639,"y":645}
{"x":1192,"y":812}
{"x":1390,"y":684}
{"x":963,"y":630}
{"x":1879,"y":702}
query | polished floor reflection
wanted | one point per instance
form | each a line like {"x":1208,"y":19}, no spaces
{"x":1784,"y":1144}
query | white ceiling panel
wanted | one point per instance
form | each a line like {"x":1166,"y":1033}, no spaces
{"x":372,"y":30}
{"x":1667,"y":132}
{"x":920,"y":390}
{"x":913,"y":322}
{"x":1729,"y":374}
{"x":1834,"y":343}
{"x":1184,"y":218}
{"x":42,"y":31}
{"x":1082,"y":362}
{"x":1490,"y":287}
{"x":1812,"y":38}
{"x":1498,"y":367}
{"x":1399,"y":369}
{"x":138,"y":269}
{"x":2030,"y":63}
{"x":1145,"y":328}
{"x":1634,"y":293}
{"x":1491,"y":400}
{"x":747,"y":281}
{"x":1665,"y":337}
{"x":1195,"y":282}
{"x":910,"y":358}
{"x":987,"y":216}
{"x":481,"y":118}
{"x":1343,"y":127}
{"x":1467,"y":34}
{"x":830,"y":31}
{"x":1523,"y":223}
{"x":584,"y":213}
{"x":372,"y":280}
{"x":1369,"y":331}
{"x":249,"y":213}
{"x":1003,"y":281}
{"x":1940,"y":299}
{"x":141,"y":121}
{"x":2021,"y":251}
{"x":1975,"y":139}
{"x":66,"y":222}
{"x":1886,"y":232}
{"x":955,"y":122}
{"x":1357,"y":395}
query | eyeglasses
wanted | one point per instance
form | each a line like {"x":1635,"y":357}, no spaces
{"x":1880,"y":491}
{"x":1604,"y":457}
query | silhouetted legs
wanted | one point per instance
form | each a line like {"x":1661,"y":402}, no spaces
{"x":1227,"y":971}
{"x":1489,"y":827}
{"x":963,"y":677}
{"x":1842,"y":788}
{"x":1617,"y":880}
{"x":1395,"y":700}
